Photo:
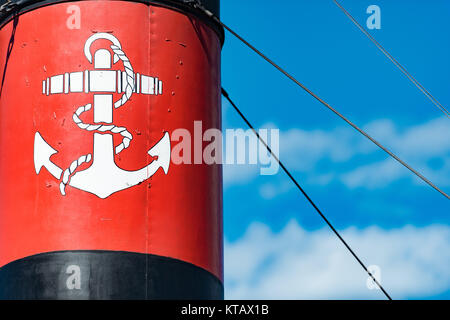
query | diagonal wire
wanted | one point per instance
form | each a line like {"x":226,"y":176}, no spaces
{"x":395,"y":62}
{"x":10,"y":48}
{"x":418,"y":174}
{"x":225,"y":94}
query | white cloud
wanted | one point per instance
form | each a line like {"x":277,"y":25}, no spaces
{"x":299,"y":264}
{"x":374,"y":175}
{"x":425,"y":140}
{"x":303,"y":150}
{"x":236,"y":174}
{"x":416,"y":146}
{"x":270,"y":190}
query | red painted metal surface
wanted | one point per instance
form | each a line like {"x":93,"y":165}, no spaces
{"x":178,"y":214}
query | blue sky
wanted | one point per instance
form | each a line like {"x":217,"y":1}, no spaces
{"x":276,"y":245}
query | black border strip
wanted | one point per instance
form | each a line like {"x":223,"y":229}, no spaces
{"x":106,"y":275}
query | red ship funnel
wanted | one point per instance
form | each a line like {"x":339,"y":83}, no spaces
{"x":91,"y":204}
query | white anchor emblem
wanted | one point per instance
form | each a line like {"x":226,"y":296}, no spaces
{"x":103,"y":177}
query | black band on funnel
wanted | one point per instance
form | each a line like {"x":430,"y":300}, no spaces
{"x":106,"y":275}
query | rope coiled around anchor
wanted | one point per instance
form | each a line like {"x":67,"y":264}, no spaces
{"x":127,"y":136}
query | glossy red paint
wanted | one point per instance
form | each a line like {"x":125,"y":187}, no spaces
{"x":178,"y":214}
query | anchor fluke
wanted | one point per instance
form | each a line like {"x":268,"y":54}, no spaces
{"x":162,"y":151}
{"x":42,"y":153}
{"x":104,"y":177}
